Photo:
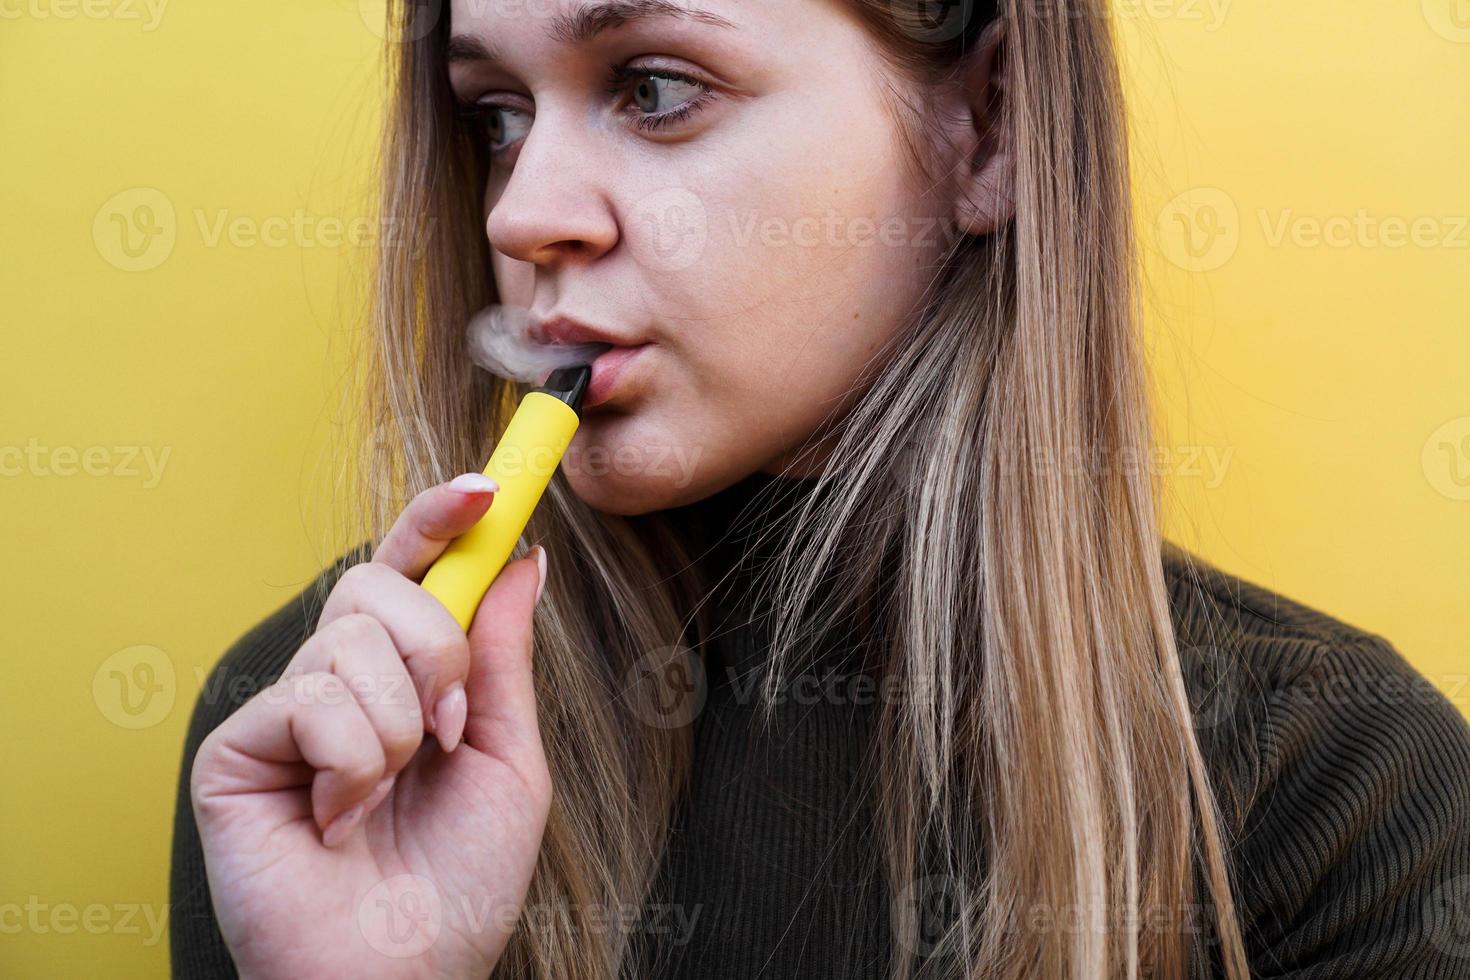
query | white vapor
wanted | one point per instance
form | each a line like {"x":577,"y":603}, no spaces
{"x":501,"y":343}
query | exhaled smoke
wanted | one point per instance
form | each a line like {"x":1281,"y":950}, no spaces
{"x":501,"y":343}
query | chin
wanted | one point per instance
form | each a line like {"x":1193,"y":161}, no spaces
{"x":626,"y":495}
{"x":619,"y":463}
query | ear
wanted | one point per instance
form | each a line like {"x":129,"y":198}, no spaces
{"x":984,"y":167}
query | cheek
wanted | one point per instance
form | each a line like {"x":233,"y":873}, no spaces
{"x":515,"y":282}
{"x":805,"y":271}
{"x":817,"y":251}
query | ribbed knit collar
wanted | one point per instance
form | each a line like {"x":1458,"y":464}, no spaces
{"x":735,"y":535}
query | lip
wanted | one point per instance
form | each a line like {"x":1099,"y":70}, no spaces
{"x":608,"y":371}
{"x":562,"y":329}
{"x":607,"y":368}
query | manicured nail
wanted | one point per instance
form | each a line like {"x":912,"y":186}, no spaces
{"x":342,"y":826}
{"x":540,"y":554}
{"x":472,"y":483}
{"x":449,"y":717}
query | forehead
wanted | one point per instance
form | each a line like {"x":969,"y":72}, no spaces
{"x":574,"y":22}
{"x":526,"y":37}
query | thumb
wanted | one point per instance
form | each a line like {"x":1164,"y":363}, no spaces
{"x":501,"y":695}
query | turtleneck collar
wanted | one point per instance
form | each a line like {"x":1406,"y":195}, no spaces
{"x":734,"y":535}
{"x":735,"y":532}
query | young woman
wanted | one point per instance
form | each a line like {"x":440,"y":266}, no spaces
{"x":851,"y":647}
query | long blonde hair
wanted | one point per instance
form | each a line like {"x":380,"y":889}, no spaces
{"x":1041,"y":772}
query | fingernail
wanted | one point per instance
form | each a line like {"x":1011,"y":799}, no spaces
{"x":342,"y":826}
{"x":540,"y":554}
{"x":449,"y":717}
{"x":379,"y":791}
{"x":470,"y":483}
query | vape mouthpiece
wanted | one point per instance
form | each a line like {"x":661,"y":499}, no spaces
{"x":568,"y":384}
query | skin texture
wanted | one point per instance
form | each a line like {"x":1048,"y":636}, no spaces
{"x":767,"y":245}
{"x":378,"y":812}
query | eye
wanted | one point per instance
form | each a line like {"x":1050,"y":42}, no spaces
{"x":495,"y":126}
{"x":661,"y":95}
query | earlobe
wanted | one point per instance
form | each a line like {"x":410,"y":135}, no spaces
{"x":984,"y":195}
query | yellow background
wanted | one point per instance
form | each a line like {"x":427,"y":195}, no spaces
{"x":1316,"y":392}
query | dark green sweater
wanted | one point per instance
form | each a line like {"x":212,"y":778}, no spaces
{"x":1343,"y":772}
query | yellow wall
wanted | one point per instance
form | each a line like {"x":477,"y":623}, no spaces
{"x":219,"y":360}
{"x":1307,"y":231}
{"x":1318,"y":397}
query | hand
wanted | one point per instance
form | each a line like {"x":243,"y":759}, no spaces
{"x":338,"y":840}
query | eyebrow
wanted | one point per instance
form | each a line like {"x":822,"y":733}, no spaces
{"x":584,"y":24}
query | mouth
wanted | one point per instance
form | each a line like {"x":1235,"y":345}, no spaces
{"x":610,"y":354}
{"x":561,"y":329}
{"x":608,"y":373}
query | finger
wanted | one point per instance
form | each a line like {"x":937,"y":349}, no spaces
{"x":431,"y":520}
{"x":311,"y":718}
{"x":425,"y":634}
{"x":502,"y":694}
{"x":358,"y":649}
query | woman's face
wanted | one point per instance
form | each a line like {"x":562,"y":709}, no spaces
{"x":755,"y":229}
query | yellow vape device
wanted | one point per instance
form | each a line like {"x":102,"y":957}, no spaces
{"x":524,"y":460}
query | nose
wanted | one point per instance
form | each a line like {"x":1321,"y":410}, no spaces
{"x":554,"y":205}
